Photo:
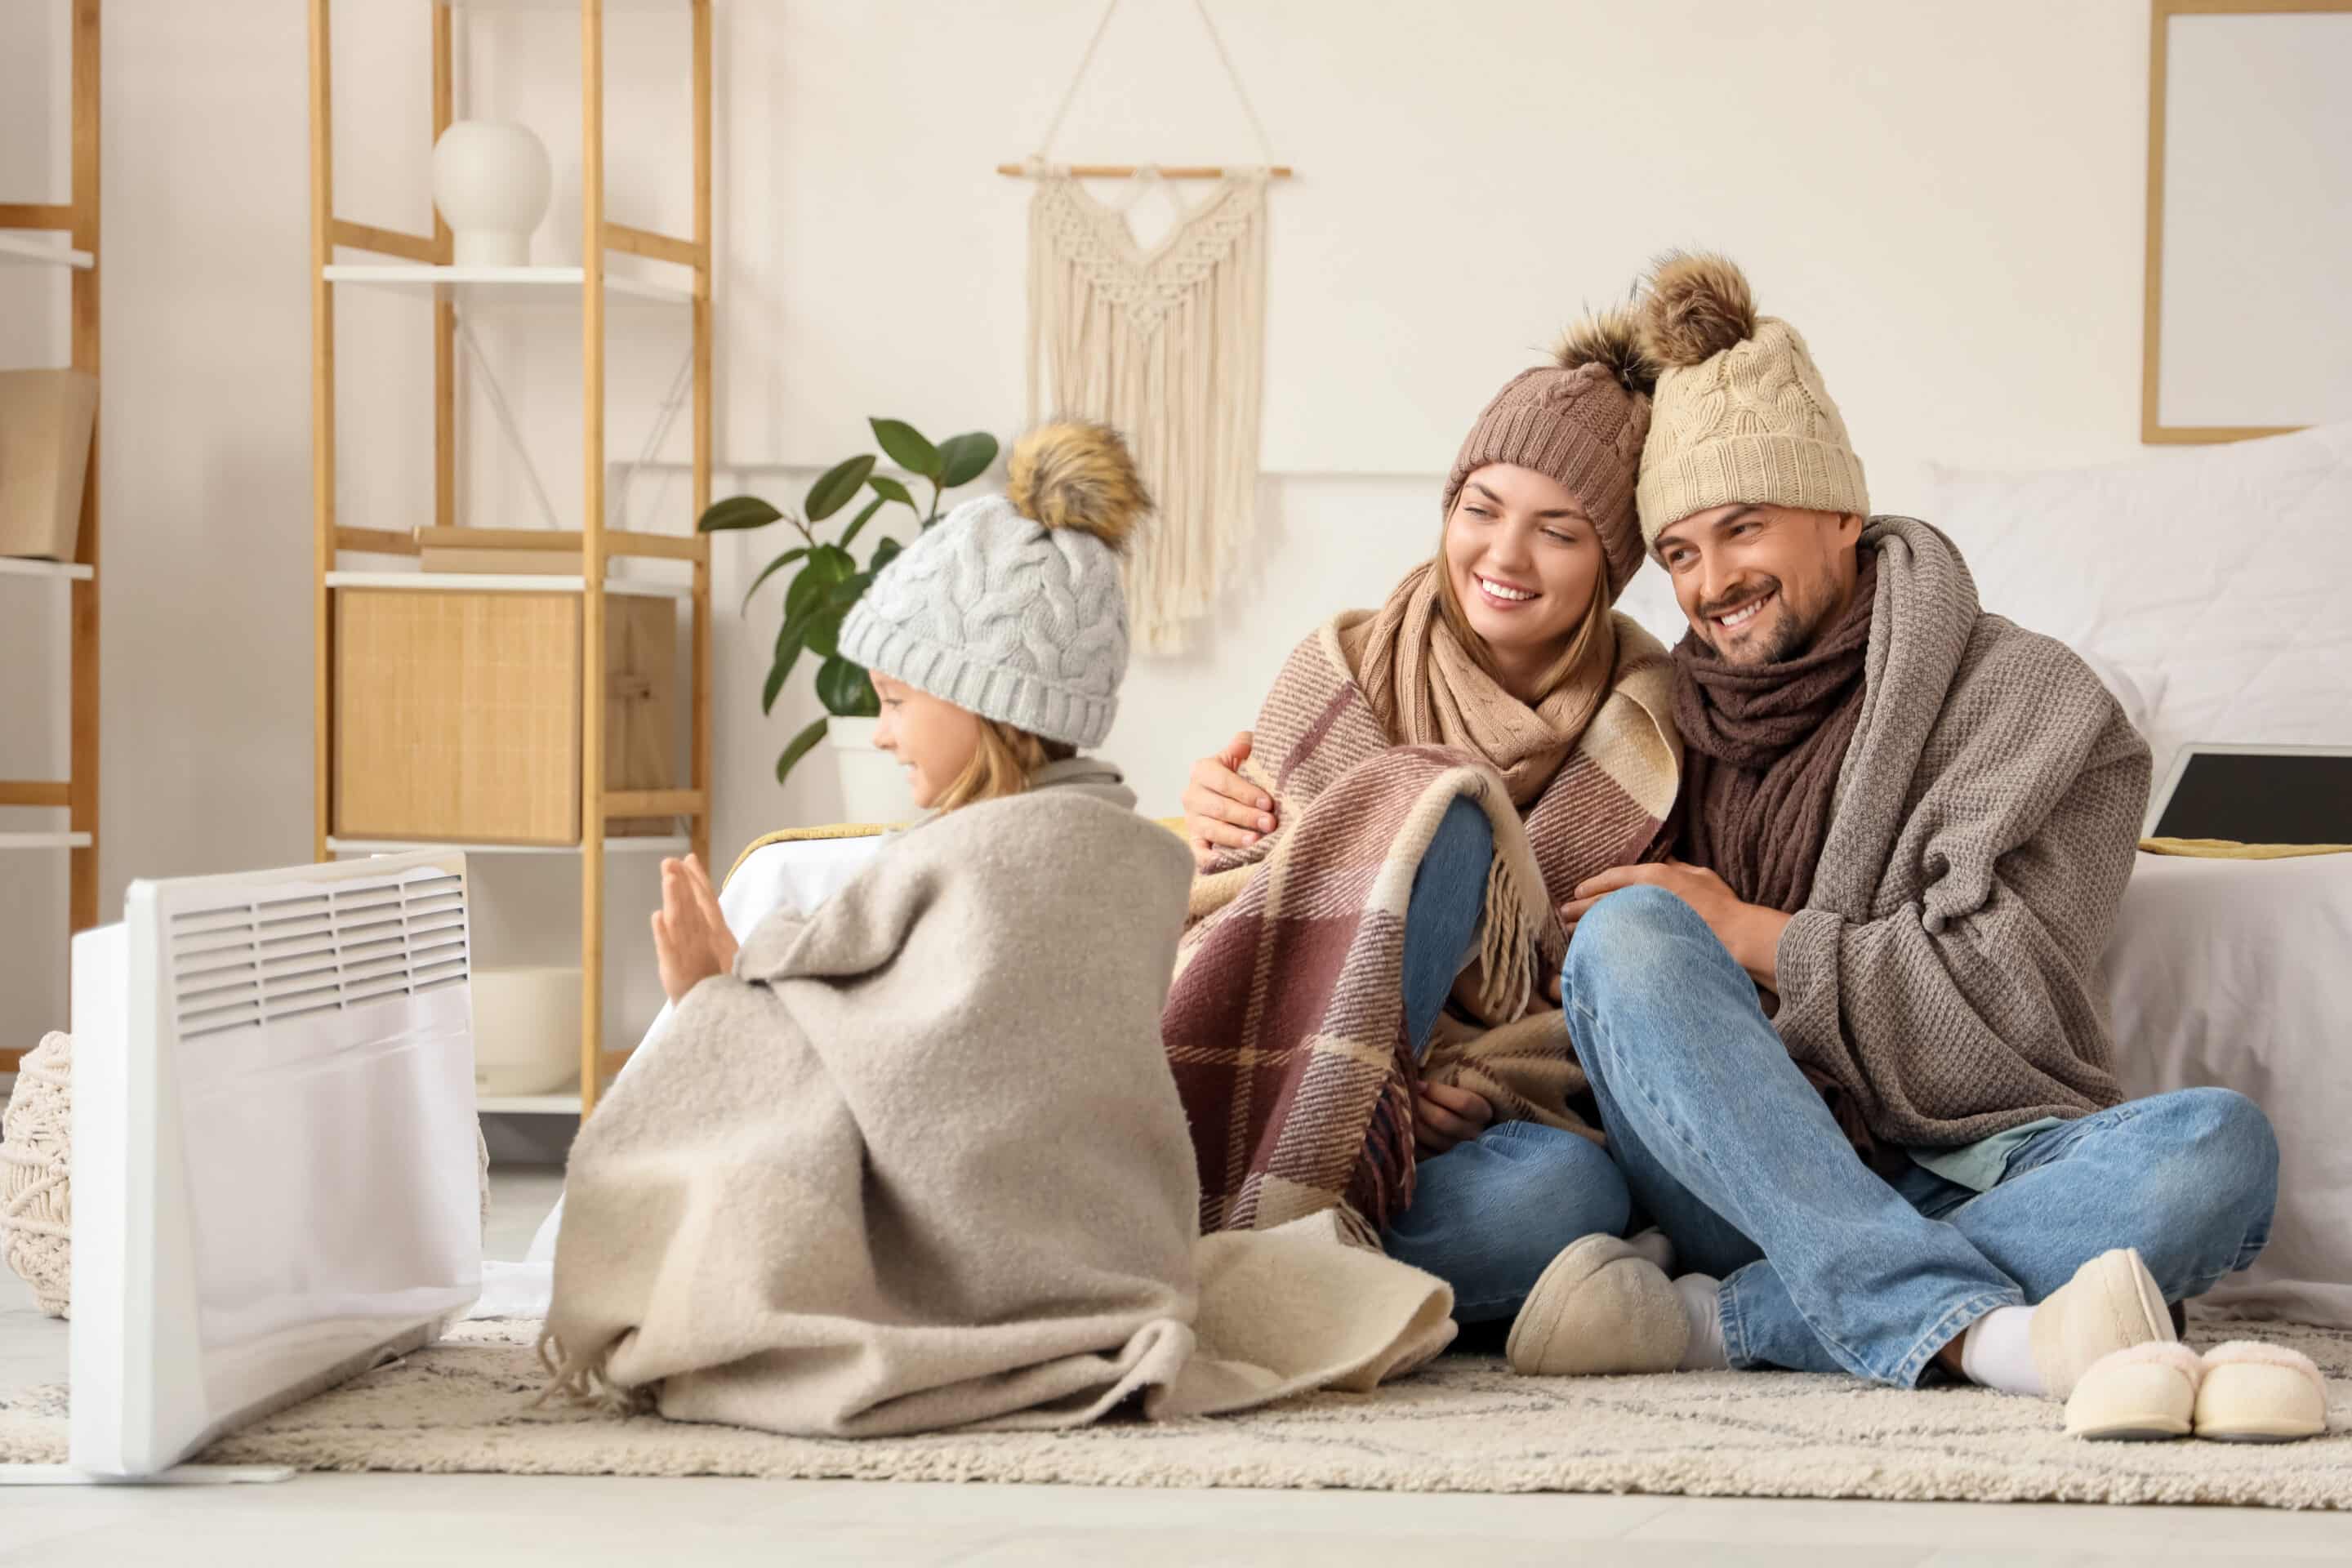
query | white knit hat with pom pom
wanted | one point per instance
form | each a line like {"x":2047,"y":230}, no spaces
{"x":1012,"y":606}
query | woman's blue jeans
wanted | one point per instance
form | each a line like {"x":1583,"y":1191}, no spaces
{"x":1489,"y":1214}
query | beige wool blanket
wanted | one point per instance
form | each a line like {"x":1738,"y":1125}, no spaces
{"x":1286,"y":1026}
{"x":918,"y":1163}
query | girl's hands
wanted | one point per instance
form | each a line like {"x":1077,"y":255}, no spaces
{"x":690,"y":936}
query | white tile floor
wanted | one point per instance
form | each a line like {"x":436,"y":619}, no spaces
{"x":583,"y":1521}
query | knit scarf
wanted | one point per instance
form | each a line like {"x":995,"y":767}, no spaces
{"x":1427,"y":690}
{"x":1763,"y":745}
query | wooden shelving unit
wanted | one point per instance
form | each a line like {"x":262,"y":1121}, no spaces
{"x":423,"y":264}
{"x":24,"y":230}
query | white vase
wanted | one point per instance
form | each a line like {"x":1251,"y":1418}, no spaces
{"x":874,"y":787}
{"x":491,"y":181}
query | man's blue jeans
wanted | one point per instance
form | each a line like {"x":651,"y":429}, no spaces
{"x":1826,"y":1267}
{"x":1489,"y":1214}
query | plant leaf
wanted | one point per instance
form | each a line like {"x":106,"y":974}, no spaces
{"x":906,"y":446}
{"x":786,"y":559}
{"x":841,"y":481}
{"x":838,"y":563}
{"x":788,"y":654}
{"x":963,"y":459}
{"x":846,"y":692}
{"x":860,"y":520}
{"x":800,"y":745}
{"x":884,"y":554}
{"x":737,"y":511}
{"x":889,"y":488}
{"x":823,"y":636}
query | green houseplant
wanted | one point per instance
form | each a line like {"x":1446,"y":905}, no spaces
{"x":826,"y":579}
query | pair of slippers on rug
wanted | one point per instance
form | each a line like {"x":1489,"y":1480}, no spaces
{"x":2242,"y":1391}
{"x":2103,"y":1341}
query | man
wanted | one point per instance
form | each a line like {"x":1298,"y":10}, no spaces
{"x":1849,"y":1044}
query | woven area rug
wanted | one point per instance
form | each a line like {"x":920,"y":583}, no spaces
{"x":1467,"y":1424}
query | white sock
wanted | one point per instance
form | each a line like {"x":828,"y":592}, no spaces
{"x":1998,"y":1351}
{"x":1705,"y":1309}
{"x":1653,"y":1244}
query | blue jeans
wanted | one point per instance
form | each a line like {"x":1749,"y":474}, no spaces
{"x":1826,"y":1267}
{"x":1486,"y":1216}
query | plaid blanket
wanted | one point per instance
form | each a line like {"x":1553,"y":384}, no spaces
{"x":1286,"y":1024}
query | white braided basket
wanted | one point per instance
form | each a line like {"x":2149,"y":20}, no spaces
{"x":36,"y":1154}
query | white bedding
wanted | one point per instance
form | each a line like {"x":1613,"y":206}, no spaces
{"x":2238,"y":973}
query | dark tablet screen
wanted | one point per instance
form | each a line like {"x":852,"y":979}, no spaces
{"x":2283,"y":798}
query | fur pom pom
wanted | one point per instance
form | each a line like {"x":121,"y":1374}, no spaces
{"x":1696,"y":307}
{"x":1080,"y":476}
{"x":1611,"y":339}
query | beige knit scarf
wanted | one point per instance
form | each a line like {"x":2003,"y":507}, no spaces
{"x":1427,"y":690}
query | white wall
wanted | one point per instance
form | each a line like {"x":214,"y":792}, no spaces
{"x":1946,"y":197}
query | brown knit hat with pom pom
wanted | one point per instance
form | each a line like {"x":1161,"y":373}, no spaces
{"x":1579,"y":419}
{"x":1742,"y":415}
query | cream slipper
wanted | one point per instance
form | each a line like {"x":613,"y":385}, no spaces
{"x":1600,"y":1308}
{"x":2145,"y":1393}
{"x":2254,"y":1392}
{"x":2111,"y":1304}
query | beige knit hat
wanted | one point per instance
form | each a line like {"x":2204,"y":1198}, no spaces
{"x":1741,"y":415}
{"x":1579,"y":419}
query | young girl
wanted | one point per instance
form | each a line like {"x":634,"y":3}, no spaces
{"x":914,"y":1159}
{"x":996,"y":644}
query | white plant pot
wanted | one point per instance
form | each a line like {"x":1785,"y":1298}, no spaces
{"x":526,"y":1029}
{"x":874,"y":787}
{"x":491,"y":181}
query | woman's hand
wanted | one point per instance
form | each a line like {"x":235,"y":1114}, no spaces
{"x":1222,"y":809}
{"x":690,"y":936}
{"x":1444,"y":1115}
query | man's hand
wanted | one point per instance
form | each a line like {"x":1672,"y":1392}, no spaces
{"x":1749,"y":931}
{"x":691,"y":940}
{"x":1444,"y":1116}
{"x":1222,"y":809}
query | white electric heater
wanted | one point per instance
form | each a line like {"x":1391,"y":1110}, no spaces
{"x":274,"y":1163}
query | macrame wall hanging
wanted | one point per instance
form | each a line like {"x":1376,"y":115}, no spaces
{"x":1167,"y":344}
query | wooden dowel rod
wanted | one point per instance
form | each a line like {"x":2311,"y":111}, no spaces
{"x":377,"y":541}
{"x":620,"y":803}
{"x":415,"y":248}
{"x":34,"y":791}
{"x":33,"y":214}
{"x":614,"y":1061}
{"x":1165,"y":171}
{"x":655,"y":247}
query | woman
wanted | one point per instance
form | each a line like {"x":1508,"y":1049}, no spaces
{"x":1426,"y":784}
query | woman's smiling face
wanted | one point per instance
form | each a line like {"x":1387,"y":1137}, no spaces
{"x":1523,"y":560}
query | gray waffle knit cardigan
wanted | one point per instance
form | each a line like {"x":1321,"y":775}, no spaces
{"x":1945,"y":970}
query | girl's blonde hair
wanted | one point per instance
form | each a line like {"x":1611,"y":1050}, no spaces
{"x":1591,"y":650}
{"x":1002,"y":766}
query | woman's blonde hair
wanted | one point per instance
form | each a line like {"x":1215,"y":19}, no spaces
{"x":1591,"y":650}
{"x":1002,"y":766}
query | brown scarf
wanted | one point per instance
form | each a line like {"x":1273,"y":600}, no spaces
{"x":1427,"y":690}
{"x":1763,"y":745}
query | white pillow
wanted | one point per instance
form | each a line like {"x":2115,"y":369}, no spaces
{"x":2208,"y":580}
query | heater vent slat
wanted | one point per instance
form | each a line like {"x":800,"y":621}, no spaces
{"x":243,"y":964}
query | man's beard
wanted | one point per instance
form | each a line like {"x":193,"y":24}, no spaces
{"x":1792,"y":629}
